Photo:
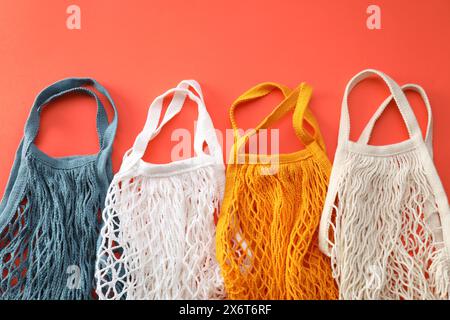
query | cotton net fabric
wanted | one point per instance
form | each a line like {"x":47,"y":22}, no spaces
{"x":267,"y":239}
{"x":385,"y":223}
{"x":49,"y":215}
{"x":158,"y":235}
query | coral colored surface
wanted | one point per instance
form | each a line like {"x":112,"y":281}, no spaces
{"x":139,"y":49}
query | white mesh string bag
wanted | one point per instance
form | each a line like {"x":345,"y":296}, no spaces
{"x":386,"y":220}
{"x":158,"y":238}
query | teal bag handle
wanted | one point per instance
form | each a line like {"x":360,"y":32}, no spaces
{"x":106,"y":131}
{"x":33,"y":124}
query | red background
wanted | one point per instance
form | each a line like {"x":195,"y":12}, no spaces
{"x":139,"y":49}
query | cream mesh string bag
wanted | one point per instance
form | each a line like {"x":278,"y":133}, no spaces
{"x":386,"y":220}
{"x":158,"y":238}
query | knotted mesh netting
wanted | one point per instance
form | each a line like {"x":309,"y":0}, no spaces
{"x":158,"y":241}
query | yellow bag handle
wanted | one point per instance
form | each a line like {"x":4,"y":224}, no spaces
{"x":296,"y":99}
{"x":303,"y":113}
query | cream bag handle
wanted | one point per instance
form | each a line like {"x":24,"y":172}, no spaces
{"x":396,"y":93}
{"x":367,"y":132}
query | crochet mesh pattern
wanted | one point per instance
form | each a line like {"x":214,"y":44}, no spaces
{"x":158,"y":238}
{"x":382,"y":244}
{"x":39,"y":245}
{"x":267,"y":235}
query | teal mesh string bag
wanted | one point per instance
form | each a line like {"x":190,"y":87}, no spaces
{"x":49,"y":220}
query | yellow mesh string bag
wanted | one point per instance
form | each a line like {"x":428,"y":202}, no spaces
{"x":267,"y":237}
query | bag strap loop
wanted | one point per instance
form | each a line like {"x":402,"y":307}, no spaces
{"x":204,"y":132}
{"x":397,"y":94}
{"x":297,"y":100}
{"x":367,"y":132}
{"x":106,"y":130}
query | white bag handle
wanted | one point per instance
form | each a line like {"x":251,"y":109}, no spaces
{"x":396,"y":92}
{"x":204,"y":131}
{"x":367,"y":132}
